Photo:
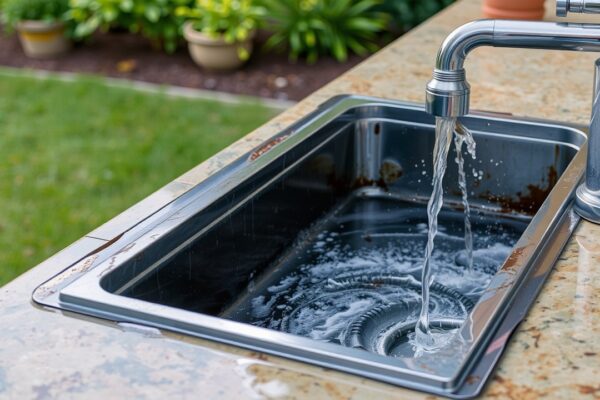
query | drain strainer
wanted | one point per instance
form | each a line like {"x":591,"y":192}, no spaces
{"x":385,"y":330}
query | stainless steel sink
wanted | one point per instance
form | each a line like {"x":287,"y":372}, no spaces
{"x":335,"y":206}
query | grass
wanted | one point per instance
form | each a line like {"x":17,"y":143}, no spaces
{"x":75,"y":154}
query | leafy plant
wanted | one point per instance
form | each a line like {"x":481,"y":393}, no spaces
{"x":407,"y":14}
{"x":334,"y":27}
{"x":155,"y":19}
{"x":14,"y":11}
{"x":232,"y":20}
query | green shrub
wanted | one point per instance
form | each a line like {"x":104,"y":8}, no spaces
{"x":311,"y":28}
{"x":407,"y":14}
{"x":155,"y":19}
{"x":233,"y":20}
{"x":14,"y":11}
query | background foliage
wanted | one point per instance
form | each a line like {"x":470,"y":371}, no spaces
{"x":406,"y":14}
{"x":305,"y":28}
{"x":14,"y":11}
{"x":155,"y":19}
{"x":333,"y":27}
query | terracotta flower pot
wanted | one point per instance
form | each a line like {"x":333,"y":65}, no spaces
{"x":215,"y":53}
{"x":41,"y":39}
{"x":514,"y":9}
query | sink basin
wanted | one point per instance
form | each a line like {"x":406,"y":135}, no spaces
{"x":309,"y":247}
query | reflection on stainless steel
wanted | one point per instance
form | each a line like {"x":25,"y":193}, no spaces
{"x":587,"y":203}
{"x":447,"y":94}
{"x":359,"y":165}
{"x":563,"y":7}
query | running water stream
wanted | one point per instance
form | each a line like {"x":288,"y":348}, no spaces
{"x":426,"y":338}
{"x":463,"y":135}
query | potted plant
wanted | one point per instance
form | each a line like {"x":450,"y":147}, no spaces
{"x":39,"y":24}
{"x":220,"y":32}
{"x":514,"y":9}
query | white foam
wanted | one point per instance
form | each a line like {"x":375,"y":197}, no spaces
{"x":333,"y":324}
{"x":260,"y":308}
{"x":283,"y":285}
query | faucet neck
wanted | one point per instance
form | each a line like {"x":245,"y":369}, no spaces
{"x":515,"y":34}
{"x":448,"y":91}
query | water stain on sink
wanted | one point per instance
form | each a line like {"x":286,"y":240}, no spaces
{"x":528,"y":203}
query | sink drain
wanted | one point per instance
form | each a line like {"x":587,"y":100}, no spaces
{"x":385,"y":330}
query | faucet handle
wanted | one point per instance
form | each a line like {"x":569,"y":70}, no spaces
{"x":563,"y":7}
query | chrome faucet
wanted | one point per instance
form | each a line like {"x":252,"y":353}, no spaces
{"x":563,"y":7}
{"x":448,"y":92}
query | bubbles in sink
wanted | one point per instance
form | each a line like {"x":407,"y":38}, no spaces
{"x":284,"y":284}
{"x":261,"y":308}
{"x":327,"y":317}
{"x":454,"y":272}
{"x":342,"y":274}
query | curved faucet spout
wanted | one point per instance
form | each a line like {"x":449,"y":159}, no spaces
{"x":448,"y":91}
{"x":461,"y":41}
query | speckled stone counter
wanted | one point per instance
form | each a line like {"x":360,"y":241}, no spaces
{"x":555,"y":353}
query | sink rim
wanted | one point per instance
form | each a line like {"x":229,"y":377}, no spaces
{"x":85,"y":294}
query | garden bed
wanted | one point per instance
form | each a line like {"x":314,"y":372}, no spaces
{"x":128,"y":56}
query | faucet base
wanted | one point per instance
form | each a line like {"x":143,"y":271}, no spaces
{"x":587,"y":204}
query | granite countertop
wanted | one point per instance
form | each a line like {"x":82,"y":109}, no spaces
{"x":555,"y":352}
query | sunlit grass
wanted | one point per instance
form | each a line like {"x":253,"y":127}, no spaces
{"x":73,"y":155}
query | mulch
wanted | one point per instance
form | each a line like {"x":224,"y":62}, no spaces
{"x":128,"y":56}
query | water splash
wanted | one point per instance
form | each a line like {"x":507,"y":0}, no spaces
{"x":463,"y":135}
{"x":424,"y":336}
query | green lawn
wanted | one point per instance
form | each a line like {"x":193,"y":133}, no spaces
{"x":73,"y":155}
